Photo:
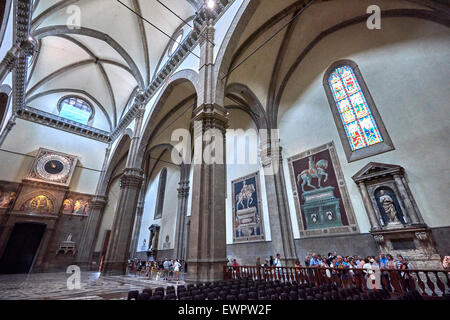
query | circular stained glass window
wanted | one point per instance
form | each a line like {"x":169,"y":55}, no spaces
{"x":75,"y":109}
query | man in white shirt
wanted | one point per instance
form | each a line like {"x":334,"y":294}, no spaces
{"x":277,"y":261}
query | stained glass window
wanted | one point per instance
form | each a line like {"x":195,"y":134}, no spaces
{"x":75,"y":109}
{"x":360,"y":126}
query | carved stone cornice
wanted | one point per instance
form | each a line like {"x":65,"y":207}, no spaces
{"x":211,"y":116}
{"x":271,"y":152}
{"x":43,"y":184}
{"x":56,"y":122}
{"x":132,"y":178}
{"x":379,"y":238}
{"x":98,"y":202}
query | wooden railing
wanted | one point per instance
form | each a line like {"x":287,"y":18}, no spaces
{"x":432,"y":283}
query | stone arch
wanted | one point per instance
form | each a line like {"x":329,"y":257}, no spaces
{"x":179,"y":77}
{"x":252,"y":104}
{"x":5,"y":100}
{"x":4,"y":16}
{"x":116,"y":156}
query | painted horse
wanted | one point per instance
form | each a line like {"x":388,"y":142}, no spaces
{"x":315,"y":171}
{"x":245,"y":194}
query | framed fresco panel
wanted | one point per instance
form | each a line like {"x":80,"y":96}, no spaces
{"x":320,"y":195}
{"x":246,"y":205}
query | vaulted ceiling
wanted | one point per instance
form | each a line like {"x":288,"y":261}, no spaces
{"x":108,"y":57}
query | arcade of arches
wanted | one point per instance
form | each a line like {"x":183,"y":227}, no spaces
{"x":342,"y":131}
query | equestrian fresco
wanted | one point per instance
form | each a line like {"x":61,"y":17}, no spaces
{"x":247,"y":213}
{"x":318,"y":191}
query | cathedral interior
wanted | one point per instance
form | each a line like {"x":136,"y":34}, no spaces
{"x":217,"y":132}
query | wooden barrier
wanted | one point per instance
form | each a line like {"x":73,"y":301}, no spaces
{"x":429,"y":283}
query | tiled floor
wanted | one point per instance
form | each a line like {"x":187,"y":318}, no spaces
{"x":93,"y":286}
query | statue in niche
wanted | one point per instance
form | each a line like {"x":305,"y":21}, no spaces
{"x":69,"y":238}
{"x":389,"y":206}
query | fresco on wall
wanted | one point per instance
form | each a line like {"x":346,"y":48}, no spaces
{"x":76,"y":204}
{"x":322,"y":202}
{"x":38,"y":204}
{"x":8,"y":194}
{"x":247,"y":213}
{"x":318,"y":191}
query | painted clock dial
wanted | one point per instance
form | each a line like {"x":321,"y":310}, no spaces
{"x":53,"y":167}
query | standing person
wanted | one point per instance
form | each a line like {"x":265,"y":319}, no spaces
{"x":307,"y":259}
{"x":236,"y":268}
{"x":314,"y":262}
{"x":277,"y":261}
{"x":166,"y":266}
{"x":278,"y":265}
{"x":271,"y":261}
{"x":383,"y":259}
{"x":176,"y":269}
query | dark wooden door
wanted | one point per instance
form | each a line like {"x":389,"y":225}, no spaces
{"x":21,"y":249}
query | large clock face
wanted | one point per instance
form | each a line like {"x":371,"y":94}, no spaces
{"x":53,"y":167}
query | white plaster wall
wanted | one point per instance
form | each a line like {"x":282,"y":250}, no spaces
{"x":109,"y":213}
{"x":235,"y":146}
{"x":25,"y":139}
{"x":169,"y":215}
{"x":405,"y":66}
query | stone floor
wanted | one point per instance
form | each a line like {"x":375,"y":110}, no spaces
{"x":93,"y":286}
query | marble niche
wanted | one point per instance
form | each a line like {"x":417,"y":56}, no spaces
{"x":396,"y":223}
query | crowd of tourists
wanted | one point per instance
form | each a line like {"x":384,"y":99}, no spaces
{"x":333,"y":260}
{"x":159,"y":269}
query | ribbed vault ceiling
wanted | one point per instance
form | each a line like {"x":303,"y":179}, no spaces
{"x":108,"y":58}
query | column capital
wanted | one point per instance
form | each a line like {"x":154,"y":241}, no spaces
{"x":212,"y":116}
{"x":271,"y":151}
{"x":98,"y":202}
{"x":132,"y":178}
{"x":207,"y":33}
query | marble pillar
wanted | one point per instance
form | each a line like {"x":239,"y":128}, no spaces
{"x":137,"y":227}
{"x":207,"y":238}
{"x":130,"y":187}
{"x":374,"y":222}
{"x":183,"y":195}
{"x":92,"y":228}
{"x":279,"y":216}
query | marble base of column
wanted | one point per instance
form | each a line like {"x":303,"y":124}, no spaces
{"x":205,"y":271}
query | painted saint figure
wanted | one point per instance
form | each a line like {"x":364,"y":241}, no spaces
{"x":388,"y":206}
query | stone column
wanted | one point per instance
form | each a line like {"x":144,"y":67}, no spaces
{"x":7,"y":64}
{"x":92,"y":228}
{"x":137,"y":227}
{"x":411,"y":211}
{"x":279,"y":215}
{"x":207,"y":241}
{"x":130,"y":186}
{"x":374,"y":222}
{"x":183,"y":194}
{"x":11,"y":123}
{"x":22,"y":50}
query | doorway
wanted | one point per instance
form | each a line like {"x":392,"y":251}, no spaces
{"x":21,"y":248}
